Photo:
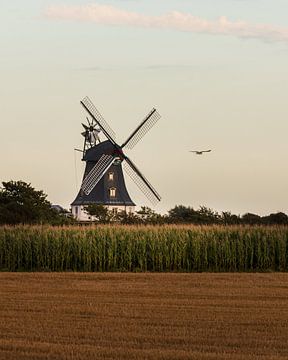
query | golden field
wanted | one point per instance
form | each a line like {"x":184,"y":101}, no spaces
{"x":143,"y":316}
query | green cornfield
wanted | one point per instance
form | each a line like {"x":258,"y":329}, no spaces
{"x":168,"y":248}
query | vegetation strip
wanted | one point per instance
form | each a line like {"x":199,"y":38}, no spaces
{"x":144,"y":248}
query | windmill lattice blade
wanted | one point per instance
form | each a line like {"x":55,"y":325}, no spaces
{"x":141,"y":181}
{"x":94,"y":113}
{"x":149,"y":121}
{"x":96,"y":173}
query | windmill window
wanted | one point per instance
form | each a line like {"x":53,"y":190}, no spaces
{"x":111,"y":176}
{"x":112,"y":192}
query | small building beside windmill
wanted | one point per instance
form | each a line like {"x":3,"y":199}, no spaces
{"x":110,"y":191}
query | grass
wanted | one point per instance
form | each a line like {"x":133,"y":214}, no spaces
{"x":143,"y":316}
{"x":144,"y":248}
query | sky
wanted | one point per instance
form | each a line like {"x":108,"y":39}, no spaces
{"x":216,"y":70}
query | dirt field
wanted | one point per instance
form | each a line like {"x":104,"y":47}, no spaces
{"x":143,"y":316}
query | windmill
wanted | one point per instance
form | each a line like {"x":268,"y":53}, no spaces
{"x":103,"y":181}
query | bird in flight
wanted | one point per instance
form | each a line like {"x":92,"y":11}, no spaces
{"x":200,"y":152}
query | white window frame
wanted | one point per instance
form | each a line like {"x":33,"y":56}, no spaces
{"x":112,"y":192}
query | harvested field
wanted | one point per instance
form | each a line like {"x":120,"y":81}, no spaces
{"x":143,"y":316}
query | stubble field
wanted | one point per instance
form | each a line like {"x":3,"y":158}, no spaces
{"x":143,"y":316}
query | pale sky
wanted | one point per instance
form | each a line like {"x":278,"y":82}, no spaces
{"x":216,"y":70}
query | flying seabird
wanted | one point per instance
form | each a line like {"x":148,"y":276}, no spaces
{"x":199,"y":152}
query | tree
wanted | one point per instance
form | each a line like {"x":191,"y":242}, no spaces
{"x":207,"y":216}
{"x":99,"y":212}
{"x":21,"y":203}
{"x":251,"y":219}
{"x":127,"y":218}
{"x":148,"y":216}
{"x":228,"y":218}
{"x":276,"y":219}
{"x":182,"y":214}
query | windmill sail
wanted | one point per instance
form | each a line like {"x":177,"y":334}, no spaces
{"x":142,"y":183}
{"x":96,"y":173}
{"x":98,"y":118}
{"x":149,"y":121}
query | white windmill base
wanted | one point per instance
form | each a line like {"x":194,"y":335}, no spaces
{"x":80,"y":214}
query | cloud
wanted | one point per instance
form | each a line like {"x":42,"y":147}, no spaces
{"x":175,"y":20}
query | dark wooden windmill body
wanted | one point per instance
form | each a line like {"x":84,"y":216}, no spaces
{"x":103,"y":181}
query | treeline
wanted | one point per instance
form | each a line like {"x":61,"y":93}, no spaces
{"x":20,"y":203}
{"x":204,"y":215}
{"x":184,"y":215}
